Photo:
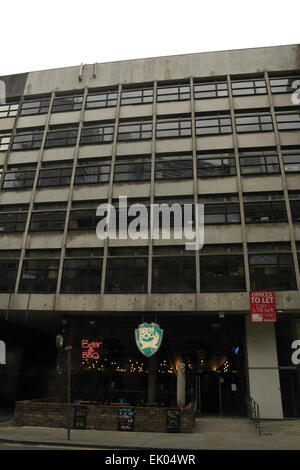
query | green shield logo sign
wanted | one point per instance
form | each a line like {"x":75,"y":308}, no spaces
{"x":148,"y":337}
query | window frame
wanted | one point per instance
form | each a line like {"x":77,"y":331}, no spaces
{"x":241,"y":90}
{"x":53,"y":139}
{"x":73,"y":105}
{"x":142,"y":96}
{"x":11,"y":111}
{"x":42,"y":107}
{"x":217,"y":89}
{"x":180,"y":130}
{"x":259,"y":122}
{"x":218,"y":118}
{"x":177,"y":95}
{"x":217,"y":156}
{"x":107,"y":100}
{"x":106,"y":136}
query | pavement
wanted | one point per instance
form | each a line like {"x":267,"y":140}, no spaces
{"x":210,"y":434}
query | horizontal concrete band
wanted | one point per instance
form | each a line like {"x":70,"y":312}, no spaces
{"x":289,"y":301}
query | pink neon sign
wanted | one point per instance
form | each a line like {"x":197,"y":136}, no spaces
{"x":90,"y":350}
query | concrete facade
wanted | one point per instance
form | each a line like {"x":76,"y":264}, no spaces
{"x":262,"y":64}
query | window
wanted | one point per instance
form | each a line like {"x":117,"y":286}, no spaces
{"x":9,"y":262}
{"x":294,"y":197}
{"x":97,"y":135}
{"x":213,"y":125}
{"x":64,"y":104}
{"x":210,"y":90}
{"x":173,"y":128}
{"x":175,"y":215}
{"x":61,"y":138}
{"x":174,"y":166}
{"x":173,"y":270}
{"x":127,"y":270}
{"x":298,"y":256}
{"x":101,"y":100}
{"x":271,"y":266}
{"x":35,"y":107}
{"x":259,"y":162}
{"x":288,"y":121}
{"x":216,"y":164}
{"x":253,"y":123}
{"x":291,"y":160}
{"x":283,"y":85}
{"x":92,"y":171}
{"x":82,"y":271}
{"x":139,"y":96}
{"x":264,"y":208}
{"x":222,"y":268}
{"x":47,"y":221}
{"x":4,"y":141}
{"x":19,"y":177}
{"x":40,"y":271}
{"x":59,"y":174}
{"x":84,"y":219}
{"x":9,"y":110}
{"x":223,"y":209}
{"x":28,"y":141}
{"x":249,"y":87}
{"x":137,"y":168}
{"x":135,"y":131}
{"x":174,"y":93}
{"x":13,"y":218}
{"x":123,"y":219}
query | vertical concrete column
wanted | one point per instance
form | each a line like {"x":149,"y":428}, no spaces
{"x":263,"y":370}
{"x":32,"y":196}
{"x":152,"y":379}
{"x":181,"y":385}
{"x":239,"y":184}
{"x":70,"y":197}
{"x":152,"y":185}
{"x":111,"y":182}
{"x":195,"y":185}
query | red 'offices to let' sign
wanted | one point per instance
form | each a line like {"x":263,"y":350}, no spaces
{"x":262,"y":306}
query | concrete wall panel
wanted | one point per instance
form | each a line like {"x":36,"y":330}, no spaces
{"x":263,"y":368}
{"x":136,"y":111}
{"x":23,"y":157}
{"x":90,"y":192}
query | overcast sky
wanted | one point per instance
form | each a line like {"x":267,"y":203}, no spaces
{"x":39,"y":34}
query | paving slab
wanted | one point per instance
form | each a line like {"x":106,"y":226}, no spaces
{"x":211,"y":434}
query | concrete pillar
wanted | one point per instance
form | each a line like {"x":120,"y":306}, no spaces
{"x":263,"y":369}
{"x":181,"y":385}
{"x":152,"y":379}
{"x":2,"y":352}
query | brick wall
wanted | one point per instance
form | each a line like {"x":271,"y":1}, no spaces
{"x":49,"y":414}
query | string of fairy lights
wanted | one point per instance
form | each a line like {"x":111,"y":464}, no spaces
{"x":132,"y":367}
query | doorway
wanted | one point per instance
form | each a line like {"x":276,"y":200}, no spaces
{"x":220,"y":393}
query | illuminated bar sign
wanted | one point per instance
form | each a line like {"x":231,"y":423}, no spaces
{"x":262,"y":306}
{"x":90,"y":349}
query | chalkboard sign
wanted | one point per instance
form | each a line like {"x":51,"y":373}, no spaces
{"x":79,"y":417}
{"x":173,"y":420}
{"x":126,"y":419}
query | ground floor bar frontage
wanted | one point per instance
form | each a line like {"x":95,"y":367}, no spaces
{"x":227,"y":359}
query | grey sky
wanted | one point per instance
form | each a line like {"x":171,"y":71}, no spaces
{"x":39,"y":35}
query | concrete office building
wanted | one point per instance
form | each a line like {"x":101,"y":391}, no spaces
{"x":221,"y":129}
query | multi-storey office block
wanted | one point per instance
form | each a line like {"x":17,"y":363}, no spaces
{"x":220,"y":129}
